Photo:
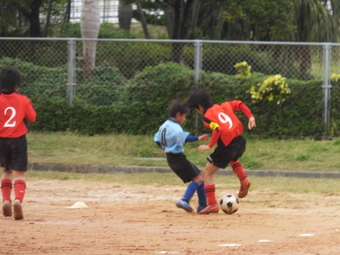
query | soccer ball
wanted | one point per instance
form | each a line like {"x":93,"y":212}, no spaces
{"x":229,"y":204}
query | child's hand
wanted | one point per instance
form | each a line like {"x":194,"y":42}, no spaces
{"x":203,"y":147}
{"x":203,"y":137}
{"x":251,"y":123}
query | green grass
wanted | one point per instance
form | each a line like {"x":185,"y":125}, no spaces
{"x":119,"y":150}
{"x":223,"y":182}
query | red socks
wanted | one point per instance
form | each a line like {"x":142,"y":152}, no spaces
{"x":210,"y":193}
{"x":19,"y":189}
{"x":238,"y":169}
{"x":6,"y":189}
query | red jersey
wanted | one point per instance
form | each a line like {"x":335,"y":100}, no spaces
{"x":221,"y":119}
{"x":15,"y":109}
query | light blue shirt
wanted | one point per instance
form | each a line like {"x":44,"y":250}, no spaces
{"x":171,"y":137}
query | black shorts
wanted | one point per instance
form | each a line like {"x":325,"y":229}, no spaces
{"x":184,"y":169}
{"x":13,"y":153}
{"x":223,"y":155}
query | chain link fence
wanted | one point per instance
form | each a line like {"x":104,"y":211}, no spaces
{"x":58,"y":64}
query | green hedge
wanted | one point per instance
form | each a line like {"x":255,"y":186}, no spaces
{"x":140,"y":105}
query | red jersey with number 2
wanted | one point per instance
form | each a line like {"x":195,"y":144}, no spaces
{"x":15,"y":109}
{"x":221,"y":119}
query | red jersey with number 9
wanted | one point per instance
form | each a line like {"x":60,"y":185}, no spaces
{"x":222,"y":120}
{"x":15,"y":109}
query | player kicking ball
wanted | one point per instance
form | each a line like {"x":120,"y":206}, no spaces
{"x":15,"y":111}
{"x":227,"y":132}
{"x":171,"y":138}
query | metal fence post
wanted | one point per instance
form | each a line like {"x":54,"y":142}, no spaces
{"x":326,"y":85}
{"x":198,"y":60}
{"x":71,"y":70}
{"x":198,"y":69}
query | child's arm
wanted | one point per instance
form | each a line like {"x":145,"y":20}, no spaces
{"x":251,"y":123}
{"x":193,"y":138}
{"x":238,"y":105}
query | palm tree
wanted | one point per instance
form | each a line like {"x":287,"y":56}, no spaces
{"x":90,"y":24}
{"x":316,"y":21}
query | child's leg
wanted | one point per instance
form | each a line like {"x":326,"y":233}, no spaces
{"x":19,"y":189}
{"x":6,"y":189}
{"x":19,"y":192}
{"x":189,"y":192}
{"x":242,"y":176}
{"x":238,"y":170}
{"x":202,"y":198}
{"x":209,"y":188}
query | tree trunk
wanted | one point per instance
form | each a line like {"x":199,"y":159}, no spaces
{"x":90,"y":25}
{"x":68,"y":11}
{"x":125,"y":16}
{"x":48,"y":18}
{"x":34,"y":19}
{"x":305,"y":61}
{"x":195,"y":12}
{"x":3,"y":28}
{"x":169,"y":19}
{"x":142,"y":18}
{"x":182,"y":17}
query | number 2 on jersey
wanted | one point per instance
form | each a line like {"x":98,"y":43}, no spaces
{"x":9,"y":122}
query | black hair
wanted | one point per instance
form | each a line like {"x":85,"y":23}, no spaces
{"x":178,"y":107}
{"x":199,"y":97}
{"x":9,"y":78}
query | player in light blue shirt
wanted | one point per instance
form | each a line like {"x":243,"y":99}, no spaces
{"x":171,"y":138}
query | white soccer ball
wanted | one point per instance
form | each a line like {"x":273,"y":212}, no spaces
{"x":229,"y":204}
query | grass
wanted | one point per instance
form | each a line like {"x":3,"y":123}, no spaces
{"x":271,"y":154}
{"x":223,"y":182}
{"x":119,"y":150}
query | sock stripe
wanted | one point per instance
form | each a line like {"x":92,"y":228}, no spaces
{"x":235,"y":166}
{"x":6,"y":185}
{"x":22,"y":182}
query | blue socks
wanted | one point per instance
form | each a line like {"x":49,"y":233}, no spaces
{"x":202,"y":198}
{"x":191,"y":189}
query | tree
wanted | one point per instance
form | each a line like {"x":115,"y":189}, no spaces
{"x":182,"y":12}
{"x":67,"y":15}
{"x":316,"y":21}
{"x":142,"y":18}
{"x":90,"y":24}
{"x":48,"y":18}
{"x":31,"y":12}
{"x":124,"y":15}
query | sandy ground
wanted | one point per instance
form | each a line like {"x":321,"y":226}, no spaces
{"x":137,"y":219}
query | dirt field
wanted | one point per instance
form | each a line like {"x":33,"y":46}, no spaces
{"x":144,"y":220}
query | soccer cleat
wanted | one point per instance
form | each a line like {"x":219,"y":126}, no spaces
{"x":245,"y":186}
{"x":7,"y":209}
{"x":200,"y":208}
{"x":184,"y":205}
{"x":210,"y":209}
{"x":17,"y":209}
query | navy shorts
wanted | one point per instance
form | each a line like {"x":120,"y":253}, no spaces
{"x":13,"y":153}
{"x":223,"y":155}
{"x":182,"y":167}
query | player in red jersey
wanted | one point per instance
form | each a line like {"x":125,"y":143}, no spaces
{"x":15,"y":111}
{"x":227,"y":134}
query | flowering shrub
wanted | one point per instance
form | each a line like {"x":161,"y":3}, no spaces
{"x":243,"y":70}
{"x":273,"y":89}
{"x":335,"y":78}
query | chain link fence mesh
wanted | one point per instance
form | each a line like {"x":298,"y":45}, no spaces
{"x":50,"y":62}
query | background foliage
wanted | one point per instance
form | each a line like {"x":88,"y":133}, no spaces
{"x":140,"y":105}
